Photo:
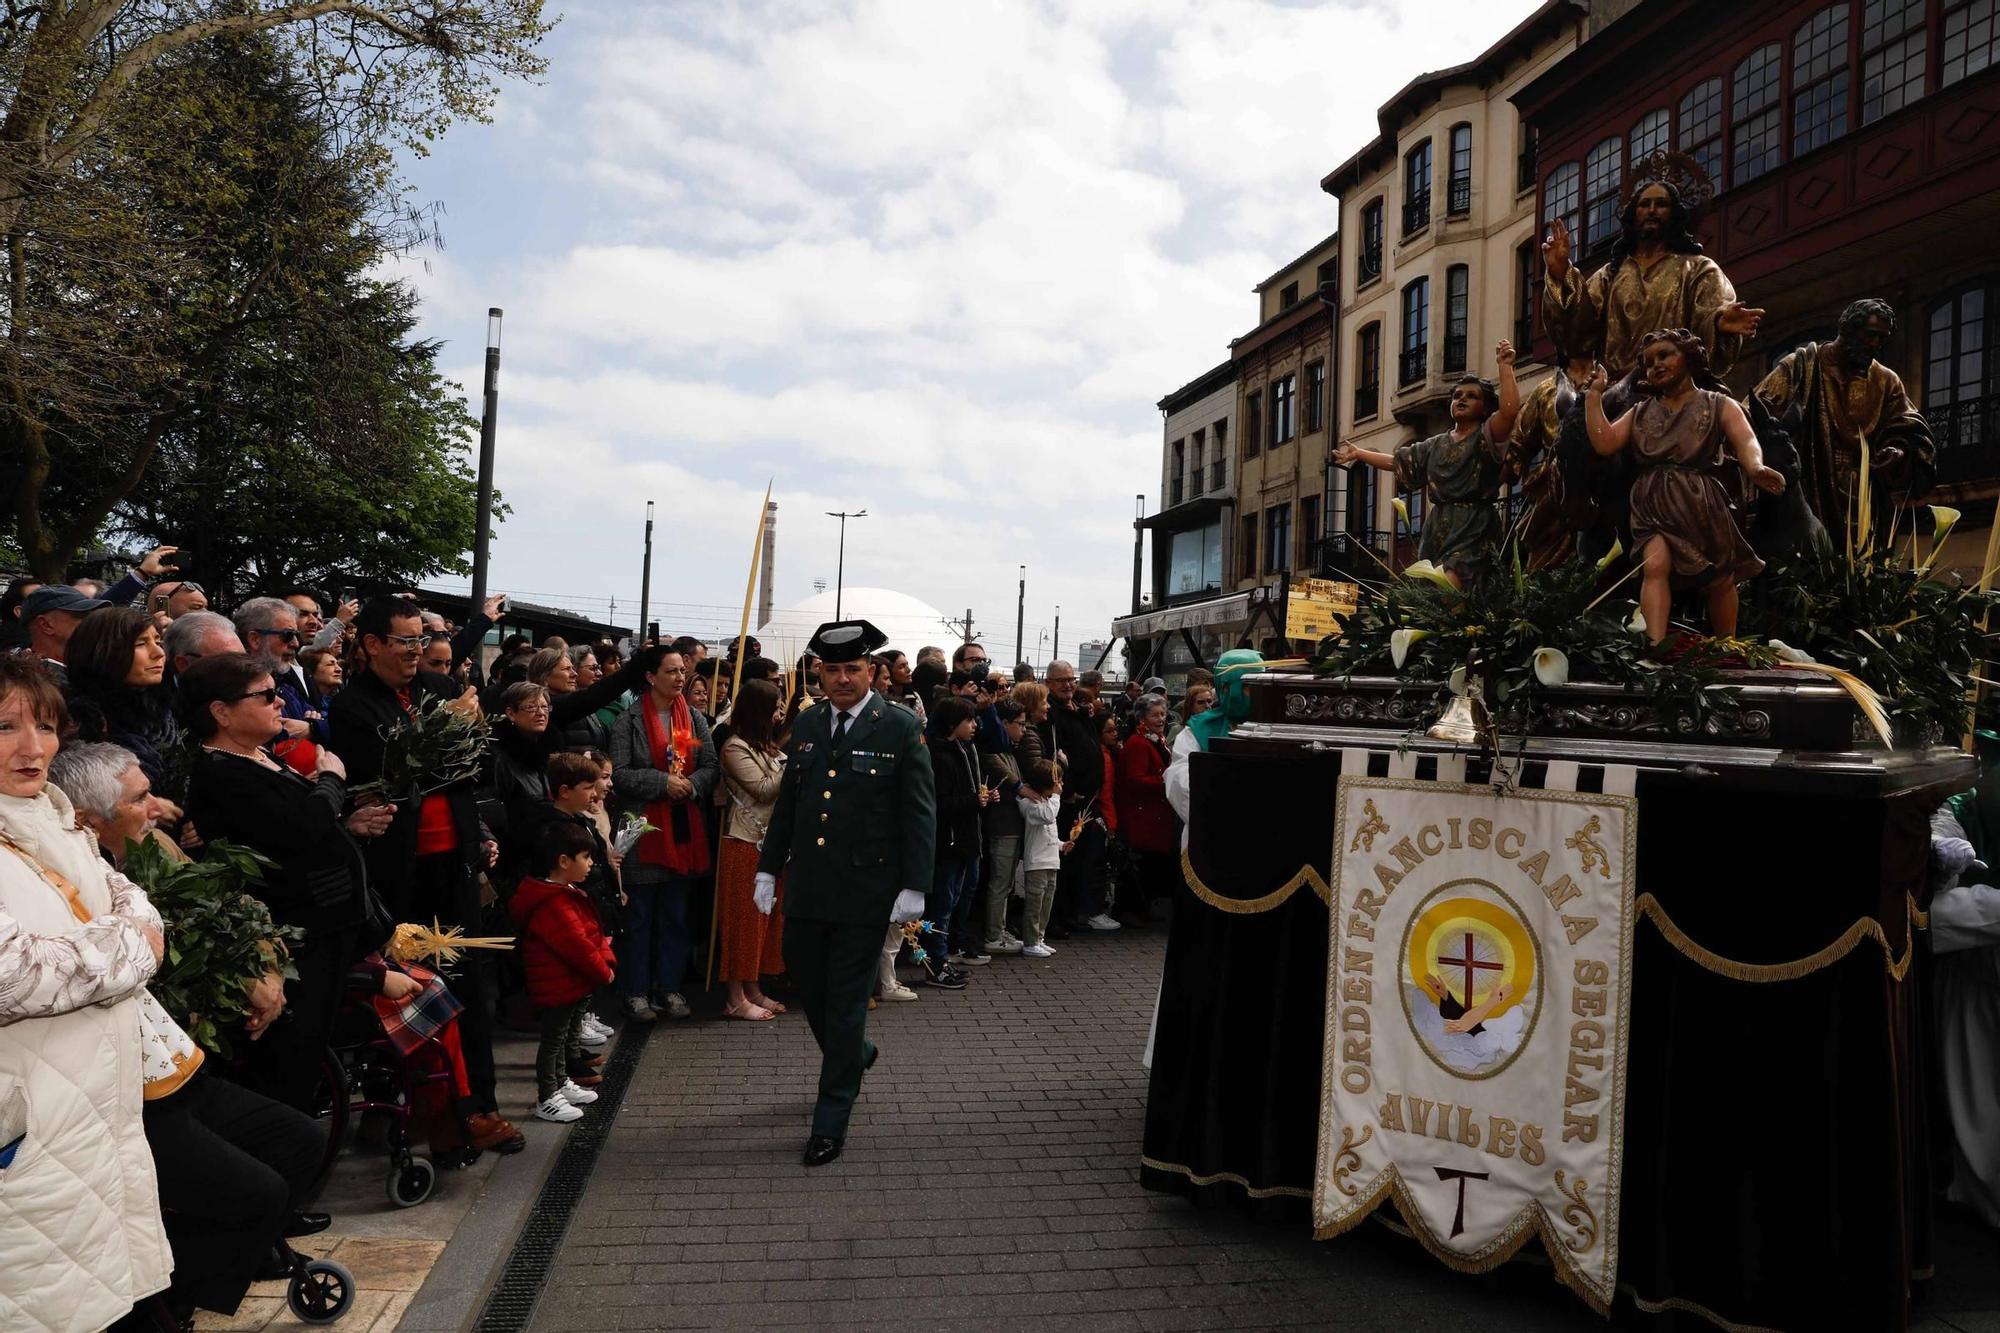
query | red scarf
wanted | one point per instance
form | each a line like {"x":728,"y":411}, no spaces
{"x":679,"y":840}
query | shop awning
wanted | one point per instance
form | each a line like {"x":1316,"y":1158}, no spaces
{"x":1230,"y":610}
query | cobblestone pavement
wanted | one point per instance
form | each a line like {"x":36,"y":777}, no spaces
{"x":989,"y":1182}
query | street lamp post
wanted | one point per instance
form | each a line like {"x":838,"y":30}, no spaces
{"x":1138,"y":545}
{"x":646,"y":576}
{"x":840,"y":569}
{"x":1055,"y":643}
{"x":1020,"y":618}
{"x":488,"y":420}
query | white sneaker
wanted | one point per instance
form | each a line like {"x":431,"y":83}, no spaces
{"x":591,"y":1037}
{"x":557,"y":1109}
{"x":1005,"y":944}
{"x":675,"y":1006}
{"x":897,"y":992}
{"x":592,"y":1023}
{"x":1103,"y":921}
{"x":638,"y":1010}
{"x":1038,"y":951}
{"x":576,"y":1096}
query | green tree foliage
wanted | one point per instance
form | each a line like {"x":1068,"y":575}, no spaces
{"x":190,"y":197}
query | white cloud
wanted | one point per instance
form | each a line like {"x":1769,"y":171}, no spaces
{"x":938,"y":261}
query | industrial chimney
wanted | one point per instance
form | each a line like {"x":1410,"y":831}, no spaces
{"x":770,"y":574}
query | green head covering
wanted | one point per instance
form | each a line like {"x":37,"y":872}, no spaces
{"x":1232,"y":700}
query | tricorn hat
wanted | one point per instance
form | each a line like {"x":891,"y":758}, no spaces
{"x":845,"y":641}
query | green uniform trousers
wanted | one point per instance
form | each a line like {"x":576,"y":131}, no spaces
{"x":834,"y":965}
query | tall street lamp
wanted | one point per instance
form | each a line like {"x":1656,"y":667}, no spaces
{"x":840,"y":569}
{"x":1055,"y":643}
{"x":489,"y":418}
{"x":1020,"y":614}
{"x":646,"y":576}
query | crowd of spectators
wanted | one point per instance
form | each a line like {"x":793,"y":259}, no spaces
{"x":611,"y":828}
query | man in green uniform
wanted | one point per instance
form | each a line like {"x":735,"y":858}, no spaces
{"x":854,"y":827}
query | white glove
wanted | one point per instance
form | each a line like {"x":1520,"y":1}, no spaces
{"x":766,"y":894}
{"x":1953,"y":856}
{"x":909,"y":907}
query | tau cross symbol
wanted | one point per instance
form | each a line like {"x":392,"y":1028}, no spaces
{"x":1453,"y":1173}
{"x":1472,"y":966}
{"x":1372,"y":823}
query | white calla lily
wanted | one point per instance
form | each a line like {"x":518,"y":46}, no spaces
{"x":1457,"y":682}
{"x":1617,"y":549}
{"x":1551,"y":666}
{"x":1787,"y":653}
{"x":1942,"y":517}
{"x":1638,"y":621}
{"x":1424,"y":569}
{"x":1402,"y":511}
{"x":1400,"y":641}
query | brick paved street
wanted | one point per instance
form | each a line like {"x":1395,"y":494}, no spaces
{"x":990,"y":1182}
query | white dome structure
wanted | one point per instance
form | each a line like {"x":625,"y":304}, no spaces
{"x":909,"y":623}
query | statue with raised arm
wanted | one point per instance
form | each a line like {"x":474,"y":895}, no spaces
{"x":1460,"y":470}
{"x":1678,"y":437}
{"x":1657,"y":277}
{"x":1547,"y":537}
{"x":1842,"y":394}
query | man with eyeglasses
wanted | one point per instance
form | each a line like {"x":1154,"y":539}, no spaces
{"x":428,"y":862}
{"x":270,"y":629}
{"x":175,"y":598}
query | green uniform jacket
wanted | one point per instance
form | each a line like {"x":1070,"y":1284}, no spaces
{"x":853,"y":827}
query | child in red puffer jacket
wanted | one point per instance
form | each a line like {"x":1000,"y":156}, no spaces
{"x":565,"y":957}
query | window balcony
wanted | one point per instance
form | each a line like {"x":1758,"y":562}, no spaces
{"x":1454,"y":352}
{"x":1460,"y":201}
{"x":1524,"y":171}
{"x":1174,"y":496}
{"x":1368,"y":267}
{"x":1413,"y":364}
{"x":1416,"y":215}
{"x":1367,"y":401}
{"x":1218,"y":475}
{"x":1968,"y":439}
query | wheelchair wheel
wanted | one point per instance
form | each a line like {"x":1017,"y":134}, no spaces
{"x":321,"y":1293}
{"x":330,"y":1103}
{"x":411,"y":1182}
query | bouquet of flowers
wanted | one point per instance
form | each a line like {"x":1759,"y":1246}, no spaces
{"x":634,"y":828}
{"x":437,"y":745}
{"x":220,"y":939}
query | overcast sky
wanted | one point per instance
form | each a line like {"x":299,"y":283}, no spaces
{"x":934,"y":260}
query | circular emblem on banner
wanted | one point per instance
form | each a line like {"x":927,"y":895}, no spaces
{"x":1471,"y":978}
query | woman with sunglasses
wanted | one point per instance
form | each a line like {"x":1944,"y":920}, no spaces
{"x":117,"y":690}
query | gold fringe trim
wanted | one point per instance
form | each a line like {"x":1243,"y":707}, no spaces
{"x":1530,"y":1222}
{"x":1251,"y":906}
{"x":1227,"y":1177}
{"x":1864,"y":929}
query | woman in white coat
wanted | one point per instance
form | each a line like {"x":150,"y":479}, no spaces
{"x":81,"y":1238}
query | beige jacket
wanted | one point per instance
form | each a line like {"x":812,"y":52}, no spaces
{"x":751,"y":780}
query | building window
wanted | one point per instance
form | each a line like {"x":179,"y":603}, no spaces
{"x":1416,"y":331}
{"x":1284,"y":403}
{"x":1417,"y":188}
{"x":1200,"y":444}
{"x":1368,"y":265}
{"x":1893,"y":42}
{"x":1819,"y":79}
{"x":1288,"y":296}
{"x":1174,"y":493}
{"x":1361,"y":500}
{"x":1560,"y":194}
{"x":1277,"y":538}
{"x":1247,"y":549}
{"x":1650,"y":134}
{"x":1756,"y":139}
{"x":1603,"y":173}
{"x":1309,"y":533}
{"x":1253,"y":421}
{"x":1457,"y":314}
{"x":1328,"y":279}
{"x":1218,"y":471}
{"x":1527,"y":279}
{"x":1415,"y":504}
{"x":1459,"y":194}
{"x":1971,"y":39}
{"x":1315,"y":397}
{"x":1701,"y":127}
{"x":1962,"y":384}
{"x":1524,"y":165}
{"x":1368,"y":372}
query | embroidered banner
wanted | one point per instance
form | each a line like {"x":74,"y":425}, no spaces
{"x":1476,"y":1013}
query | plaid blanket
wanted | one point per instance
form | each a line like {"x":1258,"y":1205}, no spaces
{"x":421,"y":1017}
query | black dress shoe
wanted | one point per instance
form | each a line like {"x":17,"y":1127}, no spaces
{"x":306,"y":1224}
{"x":820,"y":1150}
{"x":275,"y":1266}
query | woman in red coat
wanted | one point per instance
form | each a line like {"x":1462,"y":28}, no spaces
{"x":1152,"y":830}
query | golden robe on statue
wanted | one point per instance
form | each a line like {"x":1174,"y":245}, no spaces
{"x":1837,"y":405}
{"x":1611,"y":313}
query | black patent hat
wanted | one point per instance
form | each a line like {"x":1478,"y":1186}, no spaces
{"x":845,"y":641}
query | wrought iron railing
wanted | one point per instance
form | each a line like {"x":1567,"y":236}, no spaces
{"x":1417,"y":214}
{"x":1370,"y":265}
{"x":1454,"y":351}
{"x":1461,"y":195}
{"x":1413,"y":364}
{"x":1217,"y":474}
{"x":1367,"y":401}
{"x":1968,"y":439}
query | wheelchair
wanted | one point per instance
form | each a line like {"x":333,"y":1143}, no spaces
{"x":363,"y":1074}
